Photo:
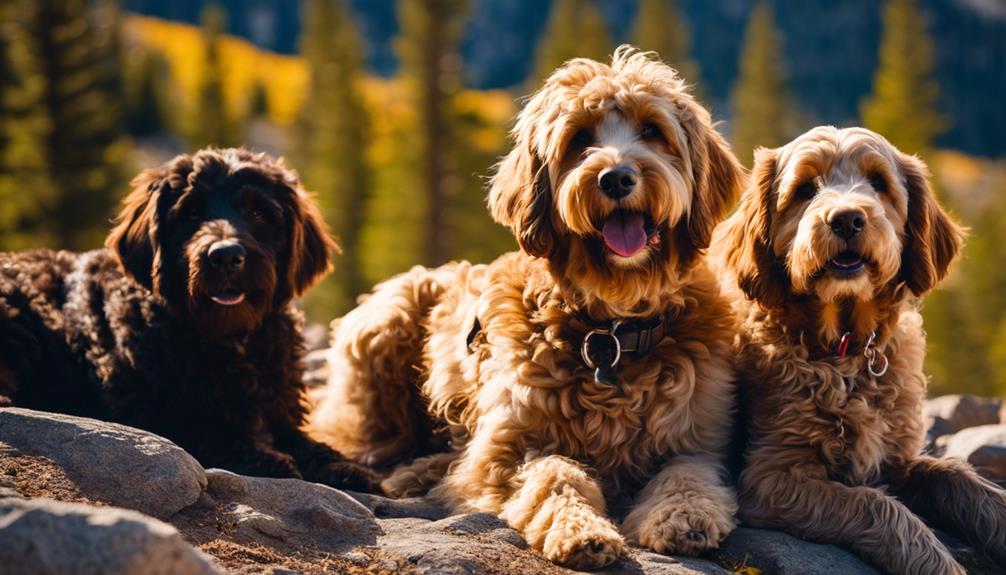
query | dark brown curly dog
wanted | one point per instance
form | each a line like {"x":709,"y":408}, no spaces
{"x":183,"y":326}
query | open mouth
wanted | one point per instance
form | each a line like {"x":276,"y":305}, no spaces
{"x":626,"y":233}
{"x":228,"y":297}
{"x":846,"y":264}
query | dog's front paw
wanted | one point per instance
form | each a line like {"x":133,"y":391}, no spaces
{"x":934,"y":558}
{"x":583,"y":541}
{"x":405,"y":484}
{"x":994,"y":510}
{"x":419,"y":477}
{"x":681,"y":525}
{"x":347,"y":475}
{"x":259,"y":463}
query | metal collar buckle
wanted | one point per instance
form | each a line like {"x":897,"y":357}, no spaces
{"x":870,"y":352}
{"x":607,"y":359}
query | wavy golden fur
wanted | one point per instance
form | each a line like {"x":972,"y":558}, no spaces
{"x":534,"y":437}
{"x":840,"y":233}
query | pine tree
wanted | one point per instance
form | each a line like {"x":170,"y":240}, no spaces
{"x":213,"y":125}
{"x":147,"y":90}
{"x":393,"y":233}
{"x":258,"y":103}
{"x":84,"y":146}
{"x":431,"y":66}
{"x":761,"y":104}
{"x":26,"y":193}
{"x":957,"y":346}
{"x":902,"y":107}
{"x":333,"y":140}
{"x":903,"y":104}
{"x":662,"y":28}
{"x":475,"y":236}
{"x":996,"y":385}
{"x":575,"y":29}
{"x":966,"y":318}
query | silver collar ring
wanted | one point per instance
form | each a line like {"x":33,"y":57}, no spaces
{"x":599,"y":332}
{"x":871,"y":352}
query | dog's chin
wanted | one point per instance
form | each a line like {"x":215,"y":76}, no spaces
{"x":228,"y":298}
{"x":227,"y":312}
{"x":844,"y":275}
{"x":629,"y":239}
{"x":636,"y":260}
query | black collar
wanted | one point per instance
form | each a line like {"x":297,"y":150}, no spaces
{"x":605,"y":343}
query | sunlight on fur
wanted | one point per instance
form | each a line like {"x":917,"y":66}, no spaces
{"x":612,"y":189}
{"x":837,"y":237}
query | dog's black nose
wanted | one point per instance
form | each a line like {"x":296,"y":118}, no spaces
{"x":227,"y":255}
{"x":617,"y":182}
{"x":848,"y":223}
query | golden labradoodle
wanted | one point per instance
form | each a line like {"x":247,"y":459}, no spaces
{"x":832,"y":245}
{"x":593,"y":363}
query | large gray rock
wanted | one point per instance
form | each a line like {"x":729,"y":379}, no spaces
{"x":951,"y":413}
{"x":649,"y":563}
{"x":983,"y":447}
{"x":279,"y":513}
{"x":43,"y":537}
{"x":478,"y":543}
{"x":112,"y":463}
{"x":316,"y":369}
{"x":782,"y":554}
{"x":261,"y":525}
{"x":316,"y":336}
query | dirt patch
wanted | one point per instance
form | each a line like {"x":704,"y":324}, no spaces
{"x":35,"y":476}
{"x":207,"y":527}
{"x":512,"y":560}
{"x":254,"y":559}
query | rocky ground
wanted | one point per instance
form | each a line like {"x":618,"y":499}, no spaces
{"x":86,"y":497}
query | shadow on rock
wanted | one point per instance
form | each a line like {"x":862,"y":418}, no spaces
{"x":284,"y":514}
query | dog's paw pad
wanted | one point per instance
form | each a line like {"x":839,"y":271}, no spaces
{"x":684,"y":527}
{"x":595,"y":547}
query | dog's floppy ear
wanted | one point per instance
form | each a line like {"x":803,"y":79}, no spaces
{"x":748,"y":237}
{"x":932,"y":238}
{"x":310,"y":248}
{"x":133,"y":239}
{"x":520,"y":195}
{"x":718,"y":176}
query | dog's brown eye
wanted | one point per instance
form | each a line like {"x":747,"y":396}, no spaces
{"x":878,"y":182}
{"x":650,"y":131}
{"x":581,"y":139}
{"x":190,"y":213}
{"x":807,"y":190}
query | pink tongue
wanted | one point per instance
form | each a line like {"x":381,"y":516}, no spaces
{"x":624,"y":233}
